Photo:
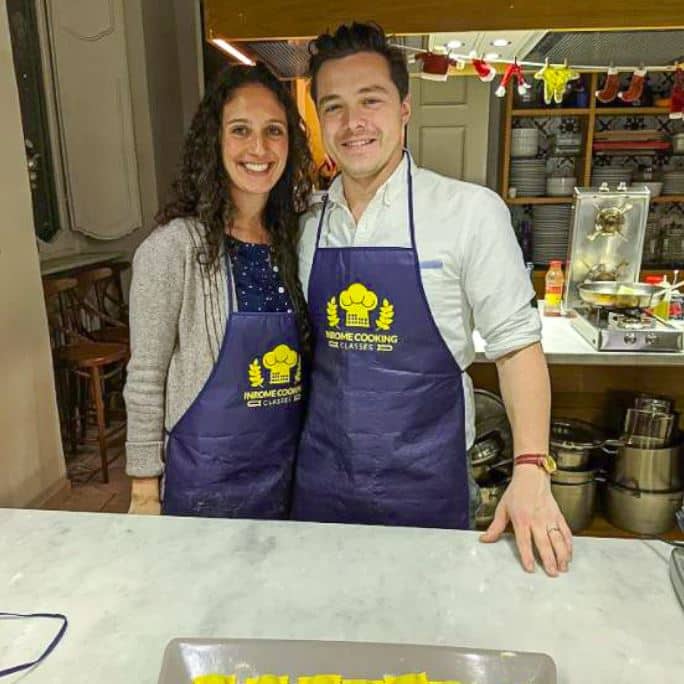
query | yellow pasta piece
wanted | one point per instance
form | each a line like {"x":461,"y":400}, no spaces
{"x":268,"y":679}
{"x":321,"y":679}
{"x":214,"y":679}
{"x":410,"y":678}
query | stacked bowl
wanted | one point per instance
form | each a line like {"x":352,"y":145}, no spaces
{"x":524,"y":142}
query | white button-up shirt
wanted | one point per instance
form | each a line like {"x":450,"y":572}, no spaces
{"x":470,"y":262}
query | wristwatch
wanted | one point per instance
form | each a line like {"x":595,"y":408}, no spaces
{"x":545,"y":461}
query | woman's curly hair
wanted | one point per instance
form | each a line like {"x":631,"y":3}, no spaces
{"x":201,"y":190}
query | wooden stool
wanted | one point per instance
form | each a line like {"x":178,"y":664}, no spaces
{"x":77,"y":358}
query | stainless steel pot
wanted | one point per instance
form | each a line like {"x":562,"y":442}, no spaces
{"x":641,"y":512}
{"x":653,"y":470}
{"x":490,"y":495}
{"x":616,"y":295}
{"x":575,"y":493}
{"x":648,"y":402}
{"x":656,"y":427}
{"x":573,"y":442}
{"x":485,"y":455}
{"x":576,"y":502}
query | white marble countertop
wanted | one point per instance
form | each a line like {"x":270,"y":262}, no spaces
{"x":129,"y":584}
{"x":562,"y":344}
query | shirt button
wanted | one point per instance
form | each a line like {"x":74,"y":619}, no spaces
{"x":281,"y":290}
{"x":275,"y":268}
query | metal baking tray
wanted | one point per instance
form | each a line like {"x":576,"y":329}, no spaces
{"x":188,"y":658}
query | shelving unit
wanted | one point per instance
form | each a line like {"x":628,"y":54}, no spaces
{"x":588,"y":115}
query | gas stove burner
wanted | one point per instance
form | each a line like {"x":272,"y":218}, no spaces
{"x":638,"y":321}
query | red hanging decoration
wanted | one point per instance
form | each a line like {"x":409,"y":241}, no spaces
{"x":513,"y":71}
{"x":677,"y":94}
{"x":636,"y":86}
{"x":485,"y":71}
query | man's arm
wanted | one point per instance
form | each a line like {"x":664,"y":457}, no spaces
{"x":528,"y":502}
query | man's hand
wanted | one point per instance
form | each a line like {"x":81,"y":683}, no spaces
{"x":145,"y":496}
{"x":530,"y":507}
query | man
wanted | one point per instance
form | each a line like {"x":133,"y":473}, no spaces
{"x":400,"y":264}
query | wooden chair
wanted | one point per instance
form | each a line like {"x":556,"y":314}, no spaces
{"x":101,"y":308}
{"x":81,"y":364}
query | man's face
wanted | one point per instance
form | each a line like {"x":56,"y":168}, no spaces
{"x":362,"y":117}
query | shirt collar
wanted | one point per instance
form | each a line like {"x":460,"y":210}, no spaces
{"x":387,"y":192}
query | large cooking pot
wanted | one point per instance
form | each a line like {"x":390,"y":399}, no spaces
{"x":575,"y":494}
{"x":491,"y":491}
{"x":616,"y":295}
{"x":641,"y":512}
{"x":573,"y":442}
{"x":486,"y":455}
{"x":653,"y":470}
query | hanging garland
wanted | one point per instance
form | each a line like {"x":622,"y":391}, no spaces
{"x":555,"y":77}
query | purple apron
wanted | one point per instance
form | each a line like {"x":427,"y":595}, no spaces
{"x":384,"y":438}
{"x":232,"y":452}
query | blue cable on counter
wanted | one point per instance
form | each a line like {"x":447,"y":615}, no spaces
{"x":51,"y":647}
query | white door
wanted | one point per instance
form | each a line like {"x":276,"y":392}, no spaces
{"x":449,"y":126}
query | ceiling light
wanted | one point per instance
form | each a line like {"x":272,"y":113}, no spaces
{"x":500,"y":42}
{"x":492,"y":55}
{"x":232,"y":51}
{"x":453,"y":44}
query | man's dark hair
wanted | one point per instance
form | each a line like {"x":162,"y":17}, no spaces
{"x":350,"y":39}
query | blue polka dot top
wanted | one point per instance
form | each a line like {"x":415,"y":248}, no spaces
{"x":257,"y":282}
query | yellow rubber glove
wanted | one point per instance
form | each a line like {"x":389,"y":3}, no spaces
{"x":555,"y":80}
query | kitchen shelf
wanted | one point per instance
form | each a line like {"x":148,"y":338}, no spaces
{"x":667,"y":199}
{"x":567,"y":111}
{"x":626,"y":111}
{"x":566,"y":199}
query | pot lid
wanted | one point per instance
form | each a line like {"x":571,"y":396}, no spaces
{"x":568,"y":433}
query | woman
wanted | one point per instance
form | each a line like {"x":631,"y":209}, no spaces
{"x":218,"y":322}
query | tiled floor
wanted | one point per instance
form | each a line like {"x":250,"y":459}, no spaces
{"x":88,"y":492}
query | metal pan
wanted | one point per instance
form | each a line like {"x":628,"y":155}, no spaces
{"x":614,"y":295}
{"x":188,"y":658}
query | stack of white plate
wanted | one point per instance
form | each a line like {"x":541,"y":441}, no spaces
{"x":528,"y":176}
{"x":550,"y":232}
{"x":524,"y":142}
{"x":673,"y":243}
{"x":673,"y":183}
{"x":613,"y":175}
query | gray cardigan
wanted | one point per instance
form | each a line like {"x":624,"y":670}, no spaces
{"x":177,"y":322}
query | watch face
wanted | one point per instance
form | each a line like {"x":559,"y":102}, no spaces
{"x":550,"y":464}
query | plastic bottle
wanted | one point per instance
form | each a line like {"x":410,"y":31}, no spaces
{"x":553,"y":291}
{"x":662,"y":308}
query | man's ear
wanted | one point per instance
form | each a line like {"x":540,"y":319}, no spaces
{"x":406,"y":109}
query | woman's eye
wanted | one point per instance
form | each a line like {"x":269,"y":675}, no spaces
{"x":240,"y":130}
{"x":276,"y":131}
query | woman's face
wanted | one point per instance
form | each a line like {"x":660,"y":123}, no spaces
{"x":255,"y":140}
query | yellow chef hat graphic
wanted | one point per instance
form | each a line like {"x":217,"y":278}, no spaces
{"x":280,"y":361}
{"x":358,"y":301}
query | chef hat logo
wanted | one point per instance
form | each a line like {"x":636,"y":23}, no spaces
{"x":279,"y":362}
{"x":358,"y":301}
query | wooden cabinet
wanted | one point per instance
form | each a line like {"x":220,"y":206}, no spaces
{"x":91,"y":80}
